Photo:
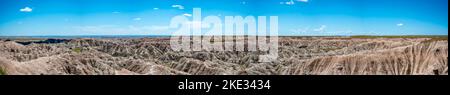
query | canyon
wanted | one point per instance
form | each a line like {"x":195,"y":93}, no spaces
{"x":154,"y":56}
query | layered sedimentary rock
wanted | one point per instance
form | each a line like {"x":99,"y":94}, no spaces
{"x":422,"y":59}
{"x":153,"y":56}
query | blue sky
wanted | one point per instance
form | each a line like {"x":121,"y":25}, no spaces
{"x":152,"y":17}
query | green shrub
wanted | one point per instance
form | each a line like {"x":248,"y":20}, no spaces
{"x":2,"y":72}
{"x":77,"y":50}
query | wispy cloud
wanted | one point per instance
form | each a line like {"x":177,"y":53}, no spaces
{"x":321,"y":28}
{"x":188,"y":15}
{"x":400,"y":24}
{"x":155,"y":8}
{"x":243,"y":3}
{"x":26,"y":9}
{"x":137,"y":19}
{"x":300,"y":30}
{"x":292,"y":2}
{"x":178,"y":6}
{"x":306,"y":1}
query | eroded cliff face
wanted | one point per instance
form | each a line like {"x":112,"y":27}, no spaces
{"x":421,"y":59}
{"x":297,"y":56}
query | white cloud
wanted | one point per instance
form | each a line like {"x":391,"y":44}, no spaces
{"x":243,"y":3}
{"x":292,"y":2}
{"x":188,"y":15}
{"x":321,"y":29}
{"x":400,"y":24}
{"x":300,"y":30}
{"x":178,"y":6}
{"x":306,"y":1}
{"x":26,"y":9}
{"x":155,"y":8}
{"x":373,"y":32}
{"x":288,"y":3}
{"x":344,"y":32}
{"x":137,"y":19}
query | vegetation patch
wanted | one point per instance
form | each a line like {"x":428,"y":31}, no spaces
{"x":2,"y":72}
{"x":77,"y":50}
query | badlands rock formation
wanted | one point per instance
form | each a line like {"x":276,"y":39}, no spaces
{"x":153,"y":56}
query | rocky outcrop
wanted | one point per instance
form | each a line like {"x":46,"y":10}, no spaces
{"x":422,"y":59}
{"x":297,"y":56}
{"x":197,"y":67}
